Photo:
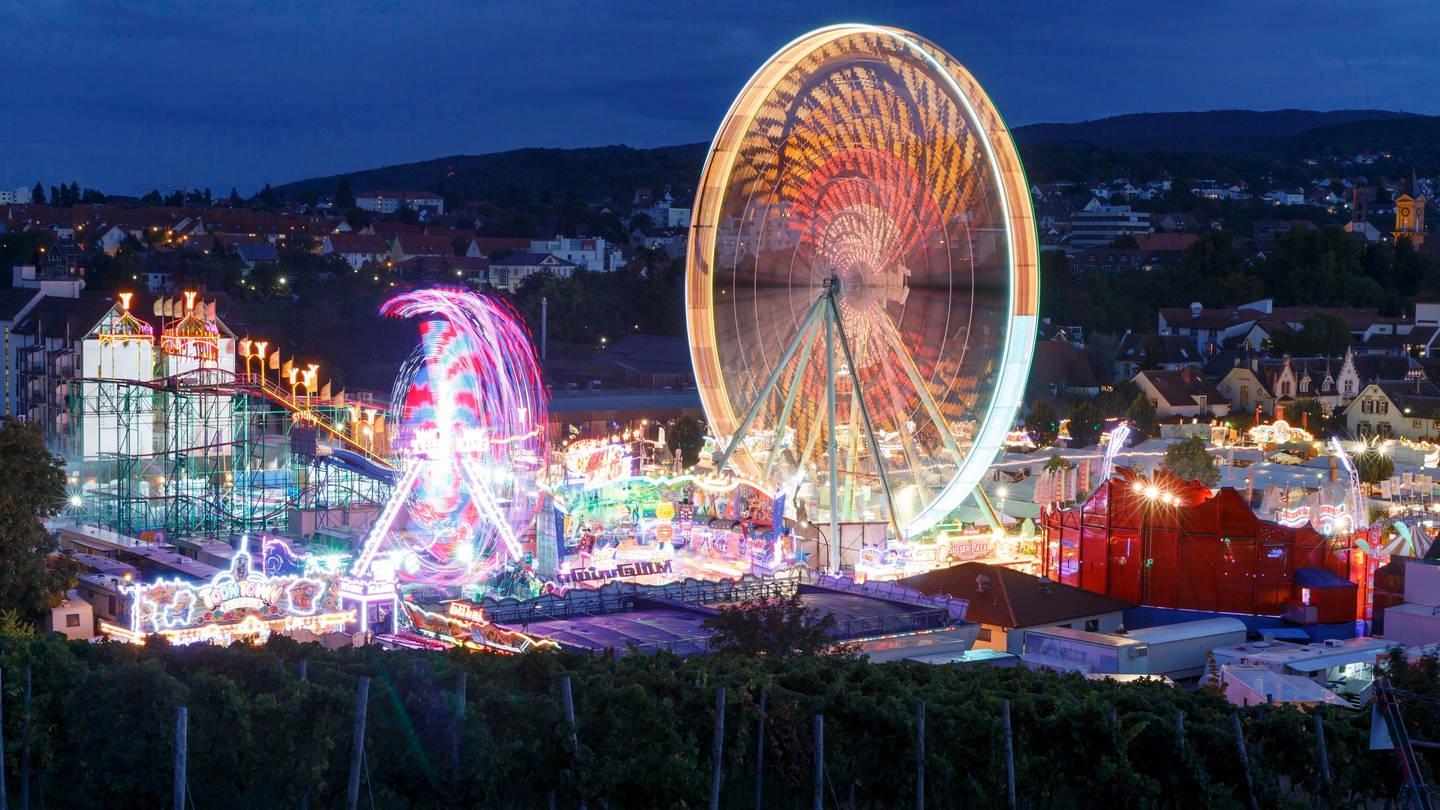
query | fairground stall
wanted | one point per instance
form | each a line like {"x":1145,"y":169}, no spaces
{"x":611,"y":522}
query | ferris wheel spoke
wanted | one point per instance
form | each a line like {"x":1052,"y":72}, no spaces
{"x":801,"y":366}
{"x":932,"y":409}
{"x":765,"y":390}
{"x":891,"y":388}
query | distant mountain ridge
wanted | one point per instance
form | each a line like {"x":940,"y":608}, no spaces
{"x":559,"y":177}
{"x":1212,"y":131}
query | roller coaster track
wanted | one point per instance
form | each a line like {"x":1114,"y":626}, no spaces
{"x":219,"y":381}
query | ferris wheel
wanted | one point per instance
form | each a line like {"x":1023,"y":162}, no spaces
{"x":863,"y":282}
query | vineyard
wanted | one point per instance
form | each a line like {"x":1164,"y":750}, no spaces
{"x":272,"y":726}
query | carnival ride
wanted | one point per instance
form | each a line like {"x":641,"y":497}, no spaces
{"x":863,"y":278}
{"x":471,"y":445}
{"x":164,"y":436}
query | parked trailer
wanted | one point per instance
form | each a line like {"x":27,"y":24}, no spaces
{"x":1174,"y":651}
{"x":1182,"y":650}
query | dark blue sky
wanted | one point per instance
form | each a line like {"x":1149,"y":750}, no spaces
{"x":126,"y":96}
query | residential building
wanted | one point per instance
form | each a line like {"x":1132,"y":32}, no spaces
{"x":446,"y":269}
{"x":408,"y":247}
{"x":1164,"y":352}
{"x":591,"y":253}
{"x":509,"y":272}
{"x":1251,"y":323}
{"x":1183,"y":393}
{"x":426,"y":203}
{"x":485,"y":247}
{"x":1099,"y":224}
{"x":356,"y":248}
{"x":17,"y":196}
{"x":1059,"y":367}
{"x":1399,"y":409}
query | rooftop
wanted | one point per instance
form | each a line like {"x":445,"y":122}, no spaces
{"x":1005,"y":597}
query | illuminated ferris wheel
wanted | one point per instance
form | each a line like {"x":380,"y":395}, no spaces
{"x":863,"y":281}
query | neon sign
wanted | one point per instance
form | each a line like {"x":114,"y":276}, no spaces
{"x":623,"y":570}
{"x":238,"y":601}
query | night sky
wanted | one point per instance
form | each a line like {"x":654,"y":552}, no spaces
{"x":129,"y":96}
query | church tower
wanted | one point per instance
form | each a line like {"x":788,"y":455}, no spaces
{"x":1410,"y":214}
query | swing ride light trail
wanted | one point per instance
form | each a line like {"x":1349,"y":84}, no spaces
{"x":472,"y":419}
{"x":864,"y":171}
{"x":1118,"y":437}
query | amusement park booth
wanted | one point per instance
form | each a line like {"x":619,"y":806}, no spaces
{"x":1165,"y":542}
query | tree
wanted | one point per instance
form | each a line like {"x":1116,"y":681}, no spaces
{"x":1189,"y":459}
{"x":1308,"y":414}
{"x":1325,"y":334}
{"x":37,"y":194}
{"x":1043,"y":422}
{"x":1086,"y":422}
{"x":686,"y":434}
{"x":777,"y":628}
{"x":32,"y":488}
{"x":344,"y":196}
{"x":1141,"y":415}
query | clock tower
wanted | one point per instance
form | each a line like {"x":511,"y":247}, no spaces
{"x":1410,"y":215}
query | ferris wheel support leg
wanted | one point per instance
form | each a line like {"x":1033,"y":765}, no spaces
{"x":789,"y":405}
{"x":839,"y":326}
{"x":830,"y":450}
{"x":902,"y":354}
{"x":769,"y":385}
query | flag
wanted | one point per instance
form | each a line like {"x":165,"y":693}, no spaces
{"x":210,"y":311}
{"x":340,"y":399}
{"x":325,"y":391}
{"x":288,"y":370}
{"x":156,"y":308}
{"x":274,"y":361}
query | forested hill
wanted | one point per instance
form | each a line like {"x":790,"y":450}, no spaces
{"x":1215,"y":144}
{"x":1212,"y":131}
{"x":530,"y":176}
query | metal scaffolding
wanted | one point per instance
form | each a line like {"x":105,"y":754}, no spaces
{"x":164,"y":438}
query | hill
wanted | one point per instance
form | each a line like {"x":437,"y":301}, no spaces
{"x":1212,"y":131}
{"x":1218,"y":143}
{"x":531,"y":176}
{"x":1412,"y":140}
